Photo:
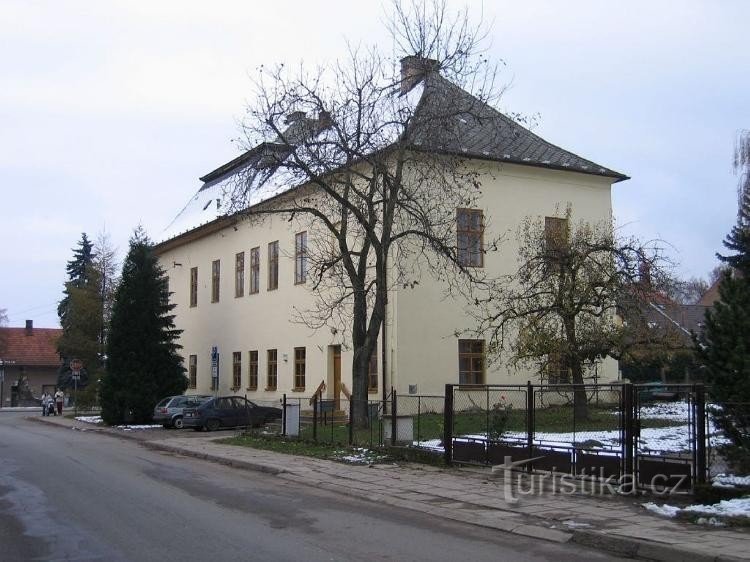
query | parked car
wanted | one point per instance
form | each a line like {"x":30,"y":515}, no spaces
{"x":169,"y":411}
{"x":228,"y":411}
{"x":652,"y":391}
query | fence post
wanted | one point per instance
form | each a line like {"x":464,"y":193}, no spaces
{"x":351,"y":422}
{"x":628,"y":429}
{"x":530,"y":423}
{"x":315,"y":417}
{"x":394,"y":412}
{"x":700,"y":434}
{"x":283,"y":417}
{"x":448,"y":424}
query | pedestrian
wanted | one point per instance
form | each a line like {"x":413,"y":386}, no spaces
{"x":46,"y":399}
{"x":59,"y":399}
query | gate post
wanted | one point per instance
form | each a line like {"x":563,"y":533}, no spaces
{"x":283,"y":418}
{"x":448,"y":424}
{"x":315,"y":417}
{"x":628,"y":430}
{"x":530,"y":423}
{"x":700,"y":434}
{"x":394,"y":421}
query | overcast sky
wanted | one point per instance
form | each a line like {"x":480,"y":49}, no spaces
{"x":111,"y":110}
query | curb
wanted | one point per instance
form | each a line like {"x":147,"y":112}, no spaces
{"x":246,"y":465}
{"x":636,"y":548}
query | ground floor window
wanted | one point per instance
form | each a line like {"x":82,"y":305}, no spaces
{"x":299,"y":368}
{"x":236,"y":370}
{"x":193,"y":371}
{"x":372,"y":372}
{"x":471,"y":361}
{"x":271,"y":370}
{"x":252,"y":371}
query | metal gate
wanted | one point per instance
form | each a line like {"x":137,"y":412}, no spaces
{"x":603,"y":431}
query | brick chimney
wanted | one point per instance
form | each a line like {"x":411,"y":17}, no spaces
{"x":413,"y":69}
{"x":29,"y":327}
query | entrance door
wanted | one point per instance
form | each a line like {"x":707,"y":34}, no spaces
{"x":336,"y":377}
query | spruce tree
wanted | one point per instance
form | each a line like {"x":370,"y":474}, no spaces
{"x":143,"y":363}
{"x":724,"y":345}
{"x":78,"y":318}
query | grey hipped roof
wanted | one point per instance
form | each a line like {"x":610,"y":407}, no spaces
{"x":450,"y":119}
{"x":447,"y":120}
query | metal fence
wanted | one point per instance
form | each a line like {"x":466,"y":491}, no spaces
{"x":654,"y":435}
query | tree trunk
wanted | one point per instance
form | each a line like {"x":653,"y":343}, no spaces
{"x":580,"y":398}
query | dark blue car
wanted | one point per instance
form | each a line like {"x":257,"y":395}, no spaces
{"x":228,"y":411}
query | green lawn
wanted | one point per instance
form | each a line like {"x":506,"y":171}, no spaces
{"x":319,"y":450}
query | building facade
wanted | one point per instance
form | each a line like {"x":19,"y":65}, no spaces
{"x":240,"y":286}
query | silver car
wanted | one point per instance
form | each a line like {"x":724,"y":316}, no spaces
{"x":168,"y":412}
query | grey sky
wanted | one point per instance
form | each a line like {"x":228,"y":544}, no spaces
{"x":111,"y":110}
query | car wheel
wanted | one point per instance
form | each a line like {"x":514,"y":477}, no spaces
{"x":177,"y":422}
{"x":212,"y":425}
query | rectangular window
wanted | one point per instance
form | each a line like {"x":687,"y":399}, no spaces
{"x":252,"y":371}
{"x":557,"y":370}
{"x":471,"y":361}
{"x":236,"y":370}
{"x":254,"y":270}
{"x":271,"y":370}
{"x":193,"y":371}
{"x":470,"y":237}
{"x":299,"y":368}
{"x":372,"y":374}
{"x":215,"y":280}
{"x":300,"y":258}
{"x":193,"y":286}
{"x":239,"y":274}
{"x":555,"y":236}
{"x":273,"y":265}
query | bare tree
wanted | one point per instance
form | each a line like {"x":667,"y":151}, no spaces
{"x":369,"y":158}
{"x":579,"y":294}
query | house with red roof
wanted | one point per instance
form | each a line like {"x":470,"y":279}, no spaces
{"x":29,"y":362}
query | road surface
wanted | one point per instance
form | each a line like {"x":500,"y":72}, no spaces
{"x":71,"y":495}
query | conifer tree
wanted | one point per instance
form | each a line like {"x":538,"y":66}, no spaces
{"x":724,"y":345}
{"x":78,"y":315}
{"x":143,"y":363}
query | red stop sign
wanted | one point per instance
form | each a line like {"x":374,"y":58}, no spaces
{"x":76,"y":365}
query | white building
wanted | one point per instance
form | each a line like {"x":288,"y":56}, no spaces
{"x":236,"y":288}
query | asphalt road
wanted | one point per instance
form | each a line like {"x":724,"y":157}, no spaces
{"x":70,"y":495}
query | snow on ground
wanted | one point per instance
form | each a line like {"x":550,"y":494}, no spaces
{"x":673,"y":439}
{"x":90,"y":419}
{"x":738,"y":507}
{"x":730,"y":481}
{"x":359,"y":455}
{"x":666,"y":510}
{"x":97,"y":420}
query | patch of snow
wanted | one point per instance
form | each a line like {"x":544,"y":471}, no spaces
{"x":737,"y":507}
{"x":132,"y":427}
{"x":360,"y":456}
{"x":90,"y":419}
{"x":730,"y":481}
{"x":666,"y":510}
{"x":712,"y":521}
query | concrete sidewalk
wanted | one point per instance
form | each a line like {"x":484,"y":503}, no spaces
{"x":613,"y":523}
